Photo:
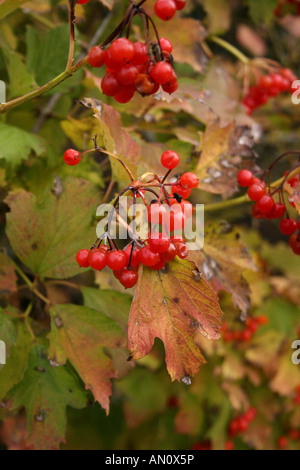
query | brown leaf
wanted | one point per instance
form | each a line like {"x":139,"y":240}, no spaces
{"x":8,"y":277}
{"x":173,"y":306}
{"x":224,"y":259}
{"x":294,"y":194}
{"x":224,"y":149}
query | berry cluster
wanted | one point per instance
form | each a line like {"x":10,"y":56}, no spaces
{"x":244,"y":335}
{"x":164,"y":219}
{"x":132,"y":67}
{"x":166,"y":9}
{"x":269,"y":86}
{"x":285,"y":7}
{"x":241,"y":423}
{"x":265,"y":206}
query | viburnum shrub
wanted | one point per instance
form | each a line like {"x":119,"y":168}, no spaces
{"x":166,"y":213}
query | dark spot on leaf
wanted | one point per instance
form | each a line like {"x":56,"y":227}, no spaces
{"x":40,"y":369}
{"x":130,"y":357}
{"x":40,"y":417}
{"x":34,"y":246}
{"x":237,"y":236}
{"x":70,"y":391}
{"x":58,"y":322}
{"x":176,"y":300}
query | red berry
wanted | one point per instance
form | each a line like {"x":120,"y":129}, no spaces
{"x":256,"y":192}
{"x":82,"y":2}
{"x":127,"y":75}
{"x":135,"y":261}
{"x":246,"y":335}
{"x":170,"y":254}
{"x":140,"y":54}
{"x":116,"y":260}
{"x":82,"y":258}
{"x":265,"y":204}
{"x":128,"y":278}
{"x":278,"y":210}
{"x":145,"y":85}
{"x":147,"y":257}
{"x":161,"y":264}
{"x":263,"y":320}
{"x":229,"y":445}
{"x":157,"y":213}
{"x":250,"y":414}
{"x":110,"y":85}
{"x":159,"y":243}
{"x":96,"y":57}
{"x":178,"y":189}
{"x":165,"y":9}
{"x":294,"y":243}
{"x":166,"y":45}
{"x":162,"y":72}
{"x":170,"y":159}
{"x":125,"y":95}
{"x":72,"y":157}
{"x":245,"y":178}
{"x":182,"y":250}
{"x":189,"y":180}
{"x":170,"y":87}
{"x":97,"y":259}
{"x":112,"y":65}
{"x":180,"y":4}
{"x":122,"y":50}
{"x":256,"y":213}
{"x":282,"y":442}
{"x":288,"y":226}
{"x":187,"y":209}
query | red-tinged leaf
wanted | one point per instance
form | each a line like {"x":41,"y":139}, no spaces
{"x":80,"y":334}
{"x":173,"y":305}
{"x":45,"y":392}
{"x":224,"y":260}
{"x":224,"y":150}
{"x":8,"y":277}
{"x":45,"y":235}
{"x":13,"y":433}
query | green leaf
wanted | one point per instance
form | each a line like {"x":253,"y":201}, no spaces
{"x":8,"y":7}
{"x":79,"y":334}
{"x":46,"y":235}
{"x":45,"y":392}
{"x":8,"y":332}
{"x":262,"y":11}
{"x":17,"y":145}
{"x":16,"y":363}
{"x":21,"y":81}
{"x":114,"y":304}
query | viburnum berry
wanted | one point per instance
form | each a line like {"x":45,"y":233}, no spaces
{"x":171,"y":86}
{"x":165,"y":9}
{"x":288,"y":226}
{"x":170,"y":159}
{"x":97,"y":259}
{"x":147,"y":257}
{"x":72,"y":157}
{"x":122,"y":50}
{"x":162,"y":72}
{"x":116,"y":260}
{"x":294,"y":243}
{"x":180,"y":4}
{"x":145,"y":85}
{"x":82,"y":258}
{"x":278,"y":210}
{"x":265,"y":204}
{"x":157,"y":213}
{"x":110,"y":85}
{"x":187,"y":209}
{"x":160,"y":265}
{"x":256,"y":192}
{"x":134,"y":254}
{"x":170,"y":254}
{"x":125,"y":95}
{"x":96,"y":57}
{"x":166,"y":45}
{"x":189,"y":180}
{"x":127,"y":75}
{"x":140,"y":54}
{"x":159,"y":243}
{"x":182,"y":250}
{"x":178,"y":189}
{"x":282,"y":442}
{"x":82,"y":2}
{"x":128,"y":278}
{"x":245,"y":178}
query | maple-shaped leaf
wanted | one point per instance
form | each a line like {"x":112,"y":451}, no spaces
{"x":116,"y":139}
{"x":45,"y":392}
{"x":80,"y":334}
{"x":45,"y":234}
{"x":8,"y":277}
{"x":223,"y":151}
{"x":173,"y":305}
{"x":224,"y":259}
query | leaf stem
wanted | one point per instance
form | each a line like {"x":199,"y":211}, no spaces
{"x":230,"y":48}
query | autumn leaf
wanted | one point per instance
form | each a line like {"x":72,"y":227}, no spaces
{"x":224,"y":259}
{"x":294,"y":194}
{"x":80,"y":334}
{"x":8,"y":277}
{"x":45,"y":234}
{"x":115,"y":138}
{"x":223,"y":151}
{"x":173,"y":305}
{"x":45,"y":392}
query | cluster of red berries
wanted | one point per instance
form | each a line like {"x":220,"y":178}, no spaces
{"x":241,"y":423}
{"x":166,"y":9}
{"x":285,"y":7}
{"x":283,"y":441}
{"x":269,"y":86}
{"x":245,"y":335}
{"x":266,"y":208}
{"x":162,"y":244}
{"x":131,"y":67}
{"x":82,"y":2}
